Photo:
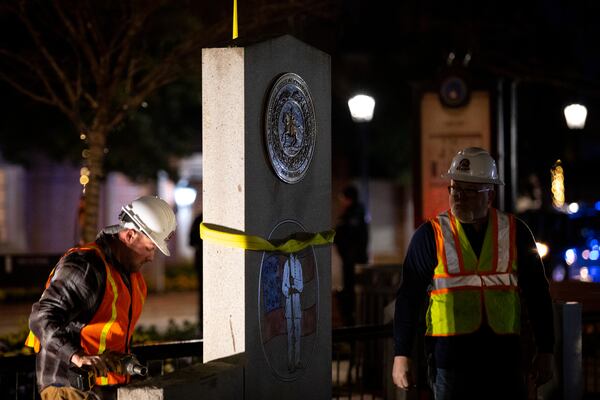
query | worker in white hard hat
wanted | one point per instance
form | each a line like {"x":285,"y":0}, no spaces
{"x":476,"y":265}
{"x":94,"y":296}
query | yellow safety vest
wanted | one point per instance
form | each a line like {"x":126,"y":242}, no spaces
{"x":467,"y":289}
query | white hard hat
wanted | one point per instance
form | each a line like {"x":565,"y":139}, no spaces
{"x":152,"y":216}
{"x":475,"y":165}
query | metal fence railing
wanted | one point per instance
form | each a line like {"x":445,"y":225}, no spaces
{"x":591,"y":355}
{"x":361,"y":363}
{"x":26,"y":270}
{"x":357,"y":368}
{"x":17,"y":373}
{"x":361,"y":357}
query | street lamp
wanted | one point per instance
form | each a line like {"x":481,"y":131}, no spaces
{"x":184,"y":195}
{"x":575,"y":114}
{"x":361,"y":109}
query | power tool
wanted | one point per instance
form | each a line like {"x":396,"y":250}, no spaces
{"x":84,"y":378}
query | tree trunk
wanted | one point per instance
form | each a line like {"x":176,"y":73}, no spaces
{"x":95,"y":163}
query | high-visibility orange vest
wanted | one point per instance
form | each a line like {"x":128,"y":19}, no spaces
{"x":111,"y":327}
{"x":467,"y":288}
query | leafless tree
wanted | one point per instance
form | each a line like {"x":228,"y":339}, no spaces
{"x":95,"y":64}
{"x":97,"y":61}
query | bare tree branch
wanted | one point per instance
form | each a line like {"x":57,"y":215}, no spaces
{"x":27,"y":92}
{"x":51,"y":61}
{"x":79,"y":38}
{"x":121,"y":61}
{"x":52,"y":98}
{"x":161,"y":78}
{"x":126,"y":43}
{"x":132,"y":69}
{"x":118,"y":33}
{"x":91,"y":101}
{"x":78,"y":84}
{"x":92,"y":26}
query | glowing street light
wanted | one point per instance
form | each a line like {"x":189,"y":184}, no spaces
{"x":542,"y":249}
{"x":184,"y":195}
{"x":575,"y":115}
{"x":361,"y":108}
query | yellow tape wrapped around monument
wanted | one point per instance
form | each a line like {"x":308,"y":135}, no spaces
{"x":292,"y":244}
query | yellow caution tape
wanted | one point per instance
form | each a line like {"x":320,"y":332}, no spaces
{"x":292,"y":244}
{"x":235,"y":20}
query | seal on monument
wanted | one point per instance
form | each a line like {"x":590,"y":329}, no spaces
{"x":290,"y":127}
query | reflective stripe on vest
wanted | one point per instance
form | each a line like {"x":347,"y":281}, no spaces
{"x":113,"y":316}
{"x":464,"y":283}
{"x":110,"y":328}
{"x":476,"y":281}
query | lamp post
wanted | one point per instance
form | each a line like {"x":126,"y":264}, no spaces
{"x":361,"y":109}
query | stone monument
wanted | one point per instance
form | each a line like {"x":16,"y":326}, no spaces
{"x":267,"y":172}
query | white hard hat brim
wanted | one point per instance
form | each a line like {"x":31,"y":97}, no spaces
{"x":161,"y":246}
{"x":471,"y":179}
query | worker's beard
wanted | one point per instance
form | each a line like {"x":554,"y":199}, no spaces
{"x":463,"y":215}
{"x":469,"y":215}
{"x":134,"y":261}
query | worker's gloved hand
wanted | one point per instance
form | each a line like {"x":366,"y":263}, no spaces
{"x":112,"y":359}
{"x":96,"y":363}
{"x":542,"y":368}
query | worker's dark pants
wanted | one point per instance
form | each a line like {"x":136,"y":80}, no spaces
{"x":478,"y":382}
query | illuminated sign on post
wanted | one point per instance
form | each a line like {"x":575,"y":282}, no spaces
{"x":444,"y":131}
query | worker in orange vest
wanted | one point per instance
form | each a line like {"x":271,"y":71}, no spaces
{"x":94,"y":296}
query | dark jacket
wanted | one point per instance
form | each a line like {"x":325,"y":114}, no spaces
{"x":67,"y":305}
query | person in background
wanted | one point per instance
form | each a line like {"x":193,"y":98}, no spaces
{"x":93,"y":299}
{"x":351,"y":240}
{"x":477,"y":264}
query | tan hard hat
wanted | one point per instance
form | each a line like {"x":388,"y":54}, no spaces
{"x":475,"y":165}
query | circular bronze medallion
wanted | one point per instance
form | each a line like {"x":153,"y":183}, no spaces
{"x":290,"y":128}
{"x":454,"y":92}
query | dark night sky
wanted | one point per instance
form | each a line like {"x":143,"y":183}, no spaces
{"x":549,"y":48}
{"x":390,"y":49}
